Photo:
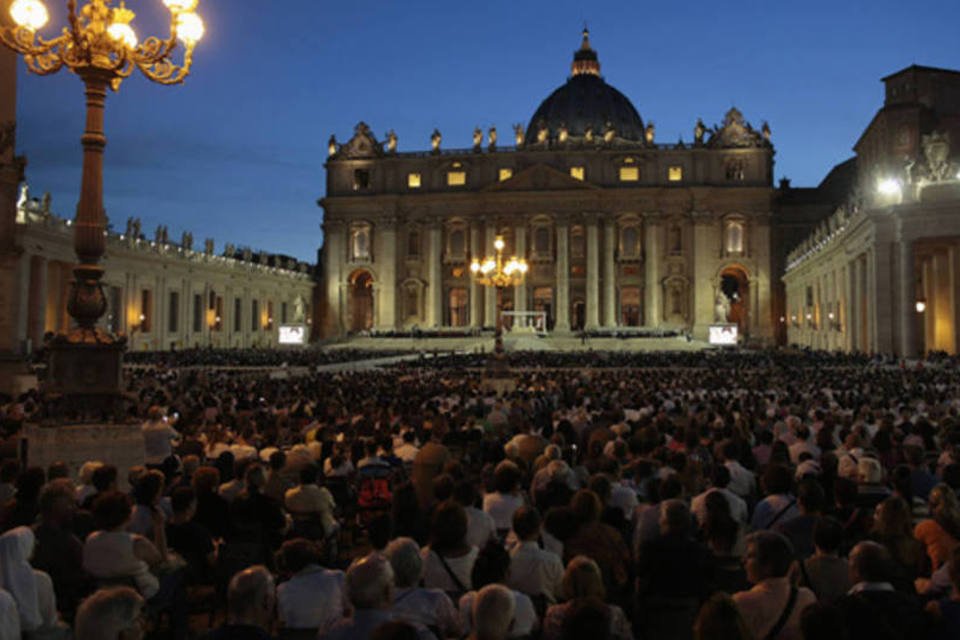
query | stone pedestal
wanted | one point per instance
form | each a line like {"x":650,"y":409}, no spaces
{"x":117,"y":444}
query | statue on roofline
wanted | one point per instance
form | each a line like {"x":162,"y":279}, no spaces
{"x":518,"y":135}
{"x":435,"y":139}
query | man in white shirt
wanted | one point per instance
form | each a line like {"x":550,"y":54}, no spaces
{"x":533,"y":571}
{"x":803,"y":445}
{"x":158,"y":437}
{"x":313,"y":598}
{"x":720,"y":479}
{"x":480,"y":526}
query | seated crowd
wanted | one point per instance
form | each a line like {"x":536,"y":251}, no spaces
{"x":775,"y":496}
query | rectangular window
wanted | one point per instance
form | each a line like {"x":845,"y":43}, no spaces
{"x":675,"y":174}
{"x":197,"y":313}
{"x":456,"y":178}
{"x":629,"y":174}
{"x":413,"y":180}
{"x":577,"y":173}
{"x":173,"y":312}
{"x":269,"y":323}
{"x":254,"y":315}
{"x":505,"y":174}
{"x":146,"y":310}
{"x":237,"y":314}
{"x":283,"y":312}
{"x":361,"y":179}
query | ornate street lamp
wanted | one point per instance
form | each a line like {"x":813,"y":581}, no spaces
{"x":493,"y":272}
{"x":101,"y":47}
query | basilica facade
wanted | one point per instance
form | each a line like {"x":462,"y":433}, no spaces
{"x":621,"y":231}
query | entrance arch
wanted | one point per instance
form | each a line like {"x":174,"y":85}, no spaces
{"x":361,"y":301}
{"x":735,"y":285}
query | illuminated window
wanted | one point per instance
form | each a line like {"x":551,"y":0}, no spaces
{"x":577,"y":173}
{"x":413,"y":180}
{"x":734,"y":240}
{"x":675,"y":174}
{"x":629,"y":174}
{"x":456,"y":178}
{"x":360,"y":241}
{"x":505,"y":174}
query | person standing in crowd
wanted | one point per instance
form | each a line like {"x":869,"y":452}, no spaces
{"x":158,"y":437}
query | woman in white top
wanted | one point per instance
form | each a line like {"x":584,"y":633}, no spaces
{"x":113,"y":553}
{"x":506,"y":499}
{"x":448,"y":559}
{"x":32,"y":590}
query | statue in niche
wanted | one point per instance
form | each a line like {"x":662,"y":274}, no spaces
{"x":518,"y":135}
{"x":698,"y":130}
{"x":542,"y":132}
{"x":332,"y":145}
{"x":492,"y":138}
{"x":435,"y":140}
{"x":299,"y":309}
{"x":186,"y":240}
{"x":649,"y":132}
{"x":609,"y":132}
{"x":721,"y":311}
{"x":477,"y":138}
{"x":563,"y":133}
{"x":391,"y":141}
{"x":208,"y":246}
{"x":588,"y":133}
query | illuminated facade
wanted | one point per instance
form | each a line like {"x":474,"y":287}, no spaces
{"x":161,"y":294}
{"x":619,"y":230}
{"x":882,"y":273}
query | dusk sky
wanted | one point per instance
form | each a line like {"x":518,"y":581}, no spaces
{"x":237,"y":152}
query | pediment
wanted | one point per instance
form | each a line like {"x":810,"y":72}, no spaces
{"x":361,"y":145}
{"x":541,"y":177}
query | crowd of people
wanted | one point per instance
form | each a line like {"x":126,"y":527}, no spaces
{"x":757,"y":495}
{"x":209,"y":357}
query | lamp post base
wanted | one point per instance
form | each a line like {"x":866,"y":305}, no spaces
{"x":85,"y":375}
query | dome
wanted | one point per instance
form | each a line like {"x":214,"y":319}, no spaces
{"x":586,"y":101}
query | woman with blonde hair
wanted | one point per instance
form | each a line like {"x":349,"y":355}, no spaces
{"x":941,"y":533}
{"x":582,"y":581}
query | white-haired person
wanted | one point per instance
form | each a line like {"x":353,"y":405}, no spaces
{"x":32,"y":590}
{"x":370,"y":592}
{"x":431,"y":608}
{"x":114,"y":613}
{"x":251,"y":596}
{"x":493,"y":610}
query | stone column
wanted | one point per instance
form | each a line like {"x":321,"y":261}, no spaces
{"x":38,"y":299}
{"x":489,"y":293}
{"x":435,"y":277}
{"x":334,"y":255}
{"x":520,"y":250}
{"x":704,"y":258}
{"x":881,"y":270}
{"x":907,"y":303}
{"x":476,"y":253}
{"x":562,"y":303}
{"x":9,"y":179}
{"x":593,"y":275}
{"x":609,"y":274}
{"x":846,"y":308}
{"x":386,"y":261}
{"x":653,"y":305}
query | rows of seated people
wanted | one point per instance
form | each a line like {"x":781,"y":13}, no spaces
{"x":779,"y":498}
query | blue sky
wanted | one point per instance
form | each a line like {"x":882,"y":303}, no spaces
{"x":237,"y":152}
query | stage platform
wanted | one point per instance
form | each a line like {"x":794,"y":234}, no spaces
{"x":521,"y":342}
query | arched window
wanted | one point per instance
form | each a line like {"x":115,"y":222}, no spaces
{"x":541,"y":242}
{"x":411,"y":302}
{"x":629,"y":243}
{"x":733,"y":242}
{"x":578,"y":244}
{"x":456,"y":243}
{"x":413,"y":244}
{"x":458,"y":309}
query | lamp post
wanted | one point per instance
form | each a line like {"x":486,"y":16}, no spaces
{"x":101,"y":47}
{"x":493,"y":272}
